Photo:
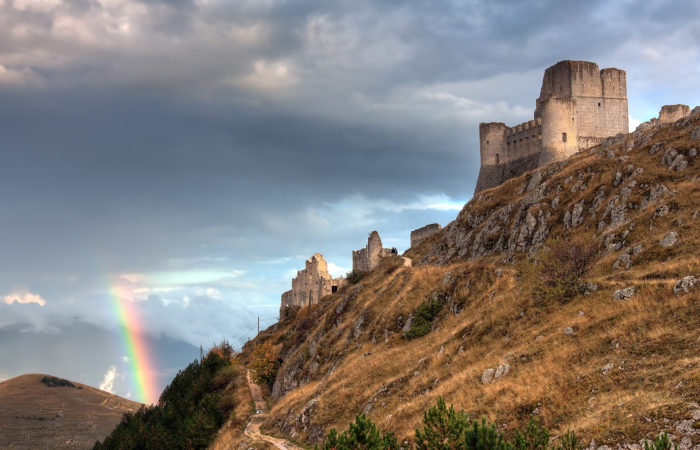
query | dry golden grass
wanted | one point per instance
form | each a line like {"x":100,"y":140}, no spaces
{"x":351,"y":355}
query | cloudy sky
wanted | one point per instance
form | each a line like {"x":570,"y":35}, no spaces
{"x":189,"y":155}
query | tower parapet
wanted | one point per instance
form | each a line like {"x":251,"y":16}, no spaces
{"x":579,"y":105}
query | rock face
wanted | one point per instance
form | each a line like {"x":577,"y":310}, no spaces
{"x":366,"y":259}
{"x":579,"y":106}
{"x":418,"y":235}
{"x":311,"y":284}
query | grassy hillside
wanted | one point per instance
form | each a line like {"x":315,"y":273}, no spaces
{"x":614,"y":370}
{"x":42,"y":411}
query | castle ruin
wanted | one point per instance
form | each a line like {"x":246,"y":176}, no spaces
{"x":579,"y":105}
{"x":420,"y":234}
{"x":367,"y":258}
{"x":311,"y":284}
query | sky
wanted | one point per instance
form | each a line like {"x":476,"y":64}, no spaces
{"x":182,"y":159}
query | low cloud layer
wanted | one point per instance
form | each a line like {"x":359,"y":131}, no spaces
{"x":189,"y":156}
{"x":23,"y":298}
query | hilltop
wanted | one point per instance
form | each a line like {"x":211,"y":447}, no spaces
{"x":42,"y":411}
{"x":617,"y":359}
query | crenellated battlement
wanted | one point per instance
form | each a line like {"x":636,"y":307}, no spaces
{"x":579,"y":105}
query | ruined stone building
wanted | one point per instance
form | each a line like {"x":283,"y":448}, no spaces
{"x":367,"y":258}
{"x":311,"y":284}
{"x":579,"y":105}
{"x":418,"y":235}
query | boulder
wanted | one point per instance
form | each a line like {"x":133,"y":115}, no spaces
{"x":668,"y":240}
{"x":623,"y":294}
{"x":487,"y":376}
{"x":684,"y":285}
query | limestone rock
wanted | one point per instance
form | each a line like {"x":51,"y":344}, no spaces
{"x":656,"y":147}
{"x":487,"y":376}
{"x":408,"y":324}
{"x":668,"y":240}
{"x":693,"y":152}
{"x":607,"y":368}
{"x":695,"y":134}
{"x":568,"y":331}
{"x":685,"y":284}
{"x":654,"y":194}
{"x":695,"y":111}
{"x":502,"y":371}
{"x":589,"y":288}
{"x":679,"y":163}
{"x":669,"y":156}
{"x":624,"y":261}
{"x":661,"y":211}
{"x":623,"y":294}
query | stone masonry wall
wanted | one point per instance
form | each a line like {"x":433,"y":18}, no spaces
{"x":671,"y":113}
{"x":579,"y":105}
{"x":418,"y":235}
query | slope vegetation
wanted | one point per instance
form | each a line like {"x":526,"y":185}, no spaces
{"x":617,"y":359}
{"x":41,"y":411}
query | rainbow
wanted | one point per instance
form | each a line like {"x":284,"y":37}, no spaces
{"x":135,"y":346}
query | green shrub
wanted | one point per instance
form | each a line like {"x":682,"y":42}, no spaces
{"x":535,"y":437}
{"x":484,"y":436}
{"x":662,"y":442}
{"x":443,"y":428}
{"x":570,"y":442}
{"x":354,"y":276}
{"x":423,"y":317}
{"x":363,"y":434}
{"x":56,"y":382}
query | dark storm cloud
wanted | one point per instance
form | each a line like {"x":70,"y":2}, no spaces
{"x":196,"y":152}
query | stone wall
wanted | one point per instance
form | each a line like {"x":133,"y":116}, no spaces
{"x":668,"y":114}
{"x":579,"y":105}
{"x":311,"y":284}
{"x":418,"y":235}
{"x":366,"y":259}
{"x":671,"y":113}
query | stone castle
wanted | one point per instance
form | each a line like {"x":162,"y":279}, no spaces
{"x":314,"y":282}
{"x":367,"y":258}
{"x":579,"y":106}
{"x":311,"y":284}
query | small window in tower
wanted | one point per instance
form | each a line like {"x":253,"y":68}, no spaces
{"x":334,"y":289}
{"x":498,"y":158}
{"x":487,"y":142}
{"x":563,"y":137}
{"x":598,"y":104}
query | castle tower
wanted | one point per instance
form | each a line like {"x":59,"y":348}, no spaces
{"x":579,"y":105}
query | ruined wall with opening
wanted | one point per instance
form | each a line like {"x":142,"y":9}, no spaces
{"x":311,"y":284}
{"x":579,"y":105}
